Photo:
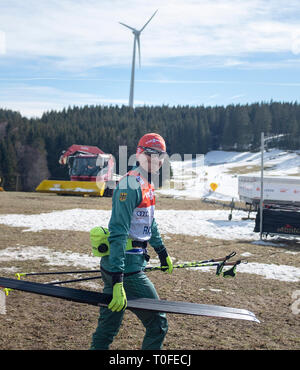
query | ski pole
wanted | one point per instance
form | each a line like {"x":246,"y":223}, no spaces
{"x":19,"y":275}
{"x":230,"y":272}
{"x":226,"y":258}
{"x":74,"y":280}
{"x":190,"y":264}
{"x":146,"y":269}
{"x":211,"y":262}
{"x":203,"y":263}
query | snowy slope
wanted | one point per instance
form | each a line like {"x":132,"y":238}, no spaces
{"x":192,"y":179}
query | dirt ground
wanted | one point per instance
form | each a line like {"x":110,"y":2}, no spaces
{"x":37,"y":322}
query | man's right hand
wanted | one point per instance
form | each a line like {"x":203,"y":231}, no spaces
{"x":165,"y":261}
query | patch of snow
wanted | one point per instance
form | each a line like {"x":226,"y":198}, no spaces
{"x":246,"y":254}
{"x":267,"y":243}
{"x":272,"y":271}
{"x":49,"y":257}
{"x":213,"y":223}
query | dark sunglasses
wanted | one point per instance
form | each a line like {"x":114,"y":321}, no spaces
{"x":152,"y":151}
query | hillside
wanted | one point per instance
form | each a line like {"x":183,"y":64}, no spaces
{"x":192,"y":179}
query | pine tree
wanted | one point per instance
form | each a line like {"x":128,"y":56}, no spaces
{"x":9,"y":164}
{"x":262,"y":122}
{"x":241,"y":127}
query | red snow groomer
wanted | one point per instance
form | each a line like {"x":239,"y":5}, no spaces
{"x":91,"y":173}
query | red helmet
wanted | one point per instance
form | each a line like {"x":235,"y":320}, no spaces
{"x":151,"y":140}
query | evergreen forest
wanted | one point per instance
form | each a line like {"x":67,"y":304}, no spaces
{"x":30,"y":148}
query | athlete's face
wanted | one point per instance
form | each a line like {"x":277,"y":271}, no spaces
{"x":151,"y":162}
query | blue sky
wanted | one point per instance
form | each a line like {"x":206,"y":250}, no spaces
{"x":60,"y":53}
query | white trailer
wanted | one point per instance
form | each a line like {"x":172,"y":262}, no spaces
{"x":278,"y":190}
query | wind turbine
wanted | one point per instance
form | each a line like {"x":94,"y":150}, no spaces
{"x":135,"y":41}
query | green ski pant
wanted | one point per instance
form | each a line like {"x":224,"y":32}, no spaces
{"x":136,"y":286}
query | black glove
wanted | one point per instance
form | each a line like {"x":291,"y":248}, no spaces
{"x":165,"y":261}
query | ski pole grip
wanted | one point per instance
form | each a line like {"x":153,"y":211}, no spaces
{"x":19,"y":274}
{"x":230,"y":273}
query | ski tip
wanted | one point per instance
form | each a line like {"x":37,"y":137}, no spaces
{"x":253,"y":317}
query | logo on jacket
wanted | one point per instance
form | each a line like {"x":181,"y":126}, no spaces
{"x":142,"y":213}
{"x":123,"y":197}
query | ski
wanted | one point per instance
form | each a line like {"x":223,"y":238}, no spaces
{"x":101,"y":299}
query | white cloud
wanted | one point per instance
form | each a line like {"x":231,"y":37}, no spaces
{"x":2,"y":43}
{"x":296,"y":42}
{"x":238,"y":96}
{"x":33,"y":101}
{"x":85,"y":33}
{"x":213,"y":96}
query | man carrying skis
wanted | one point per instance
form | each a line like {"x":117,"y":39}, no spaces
{"x":132,"y":217}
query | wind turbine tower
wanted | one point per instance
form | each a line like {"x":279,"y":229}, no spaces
{"x":135,"y":41}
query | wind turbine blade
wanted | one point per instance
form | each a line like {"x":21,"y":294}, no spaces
{"x":148,"y":21}
{"x":139,"y":47}
{"x":131,"y":28}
